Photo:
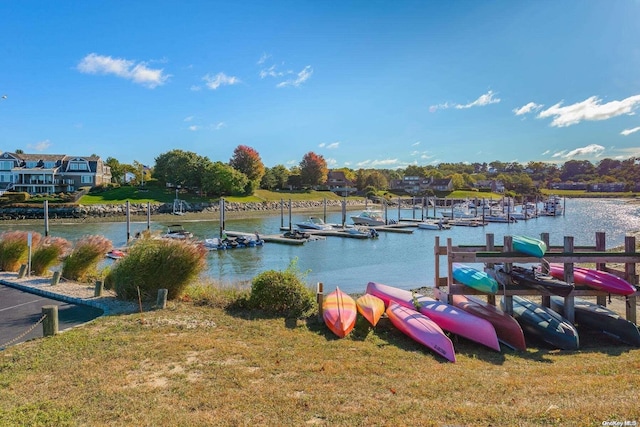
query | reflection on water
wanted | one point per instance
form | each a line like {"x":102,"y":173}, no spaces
{"x":403,"y":260}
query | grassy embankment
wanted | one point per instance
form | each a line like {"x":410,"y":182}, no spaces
{"x":197,"y":363}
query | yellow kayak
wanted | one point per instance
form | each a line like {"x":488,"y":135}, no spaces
{"x":371,"y":308}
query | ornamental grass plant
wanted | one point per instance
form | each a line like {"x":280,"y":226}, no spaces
{"x":153,"y":264}
{"x":50,"y":251}
{"x":14,"y":248}
{"x":82,"y":263}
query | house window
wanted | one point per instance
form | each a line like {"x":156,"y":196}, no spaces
{"x":87,"y":179}
{"x":31,"y":164}
{"x":49,"y":165}
{"x":6,"y":165}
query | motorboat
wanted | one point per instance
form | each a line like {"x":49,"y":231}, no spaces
{"x":433,"y":225}
{"x":369,"y":217}
{"x":216,"y":244}
{"x":314,"y":223}
{"x":553,"y":206}
{"x":177,"y":231}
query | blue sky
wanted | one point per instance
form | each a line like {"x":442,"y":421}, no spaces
{"x":365,"y":84}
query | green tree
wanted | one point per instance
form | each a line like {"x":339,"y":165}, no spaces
{"x":220,"y":179}
{"x":180,"y":168}
{"x":313,"y":169}
{"x":377,"y":180}
{"x":116,"y":169}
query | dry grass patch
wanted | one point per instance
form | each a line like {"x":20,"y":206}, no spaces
{"x":209,"y":366}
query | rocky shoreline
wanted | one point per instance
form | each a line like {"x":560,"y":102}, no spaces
{"x":118,"y":212}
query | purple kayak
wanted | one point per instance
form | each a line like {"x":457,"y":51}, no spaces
{"x":421,"y":329}
{"x":444,"y":315}
{"x":595,"y":279}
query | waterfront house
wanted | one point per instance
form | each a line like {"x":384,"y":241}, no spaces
{"x":51,"y":173}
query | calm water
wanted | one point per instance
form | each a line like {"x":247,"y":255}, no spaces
{"x":403,"y":260}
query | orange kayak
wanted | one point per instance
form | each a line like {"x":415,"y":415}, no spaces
{"x":339,"y":312}
{"x":371,"y":308}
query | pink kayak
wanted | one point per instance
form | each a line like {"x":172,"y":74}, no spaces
{"x":596,"y":279}
{"x":507,"y":328}
{"x":444,"y":315}
{"x":421,"y":329}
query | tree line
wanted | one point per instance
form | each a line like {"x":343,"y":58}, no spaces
{"x":245,"y":172}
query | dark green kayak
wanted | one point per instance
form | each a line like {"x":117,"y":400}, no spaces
{"x":597,"y":317}
{"x":544,"y":324}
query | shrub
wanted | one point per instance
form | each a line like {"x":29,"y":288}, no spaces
{"x":83,"y":260}
{"x":50,"y":250}
{"x":282,"y":293}
{"x":153,"y":264}
{"x":14,"y":248}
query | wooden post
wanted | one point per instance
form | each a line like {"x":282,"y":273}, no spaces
{"x":320,"y":299}
{"x":630,"y":276}
{"x":281,"y":213}
{"x":56,"y":278}
{"x":99,"y":289}
{"x":601,"y":247}
{"x":569,"y":301}
{"x":148,"y":216}
{"x":324,"y":210}
{"x":436,"y":265}
{"x":546,"y":299}
{"x":490,"y":245}
{"x":22,"y":271}
{"x":290,"y":225}
{"x":161,"y":301}
{"x":50,"y":322}
{"x":449,"y":271}
{"x":508,"y":299}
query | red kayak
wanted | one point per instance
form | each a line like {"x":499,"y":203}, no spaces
{"x":507,"y":328}
{"x":421,"y":329}
{"x":444,"y":315}
{"x":596,"y":279}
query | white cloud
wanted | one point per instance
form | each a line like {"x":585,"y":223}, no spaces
{"x":188,"y":119}
{"x":194,"y":128}
{"x":219,"y":125}
{"x":220,"y":79}
{"x":196,"y":88}
{"x":415,"y":144}
{"x":329,"y":146}
{"x":124,"y":68}
{"x":526,"y":109}
{"x":629,"y":131}
{"x":483,"y":100}
{"x":300,"y":78}
{"x":374,"y":163}
{"x":263,"y":58}
{"x":591,"y":150}
{"x":40,"y":146}
{"x":331,"y":162}
{"x":589,"y":109}
{"x":271,"y":72}
{"x":546,"y":152}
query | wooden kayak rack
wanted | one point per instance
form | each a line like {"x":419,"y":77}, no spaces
{"x":490,"y":254}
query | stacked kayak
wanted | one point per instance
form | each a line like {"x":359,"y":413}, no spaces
{"x":476,"y":279}
{"x":529,"y":246}
{"x":339,"y":312}
{"x":544,"y":324}
{"x":594,"y":316}
{"x":542,"y":282}
{"x":421,"y":329}
{"x":444,"y":315}
{"x":595,"y":279}
{"x":507,"y":328}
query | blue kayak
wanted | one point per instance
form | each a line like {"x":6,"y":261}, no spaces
{"x":529,"y":246}
{"x":476,"y":279}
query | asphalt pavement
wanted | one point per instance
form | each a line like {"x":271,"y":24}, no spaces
{"x":20,"y":311}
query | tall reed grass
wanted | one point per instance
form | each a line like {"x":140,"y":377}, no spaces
{"x":49,"y":251}
{"x":82,"y":263}
{"x":14,"y":248}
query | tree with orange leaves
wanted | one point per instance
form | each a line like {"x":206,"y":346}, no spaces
{"x":247,"y":160}
{"x":313,"y":169}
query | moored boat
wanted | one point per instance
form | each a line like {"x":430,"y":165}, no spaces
{"x":369,"y":217}
{"x":314,"y":223}
{"x":339,"y":312}
{"x":421,"y":329}
{"x":595,"y":279}
{"x":433,"y":225}
{"x":597,"y":317}
{"x":371,"y":308}
{"x":507,"y":328}
{"x":177,"y":231}
{"x":544,"y":324}
{"x":476,"y":279}
{"x":446,"y":316}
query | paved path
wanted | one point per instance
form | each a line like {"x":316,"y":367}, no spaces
{"x":20,"y":310}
